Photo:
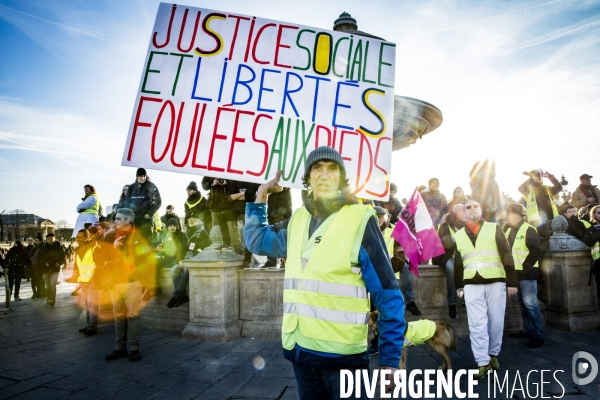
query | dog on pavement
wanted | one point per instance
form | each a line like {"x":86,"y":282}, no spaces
{"x":439,"y":335}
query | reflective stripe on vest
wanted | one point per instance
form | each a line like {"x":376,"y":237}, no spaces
{"x":192,"y":205}
{"x":484,"y":258}
{"x":533,"y":212}
{"x":325,"y":301}
{"x":93,"y":209}
{"x":520,"y":251}
{"x":86,"y":265}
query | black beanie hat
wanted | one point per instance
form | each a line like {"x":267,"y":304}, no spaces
{"x":192,"y":186}
{"x":172,"y":221}
{"x":323,"y":153}
{"x":140,"y":172}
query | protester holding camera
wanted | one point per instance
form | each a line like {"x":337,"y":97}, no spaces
{"x":540,"y":202}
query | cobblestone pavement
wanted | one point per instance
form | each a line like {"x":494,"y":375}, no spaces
{"x":42,"y":356}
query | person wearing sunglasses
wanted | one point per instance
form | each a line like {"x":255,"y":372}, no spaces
{"x":484,"y":271}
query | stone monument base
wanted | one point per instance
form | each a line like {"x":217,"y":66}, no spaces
{"x":261,"y":302}
{"x":573,"y":322}
{"x":212,"y":333}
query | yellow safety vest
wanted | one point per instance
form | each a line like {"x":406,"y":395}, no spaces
{"x":533,"y":212}
{"x":484,"y":257}
{"x":585,"y":223}
{"x":520,"y":251}
{"x":596,"y":251}
{"x":158,"y":225}
{"x":192,"y":205}
{"x":93,"y":209}
{"x":418,"y":332}
{"x":86,"y":265}
{"x":325,"y":302}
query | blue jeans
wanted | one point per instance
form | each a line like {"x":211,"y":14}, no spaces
{"x":322,"y":384}
{"x":450,"y":287}
{"x":532,"y":320}
{"x":407,"y":286}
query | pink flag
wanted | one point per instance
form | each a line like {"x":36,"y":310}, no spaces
{"x":416,"y":234}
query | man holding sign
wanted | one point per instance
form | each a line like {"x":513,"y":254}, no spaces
{"x":336,"y":256}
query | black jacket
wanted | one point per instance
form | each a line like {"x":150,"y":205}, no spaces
{"x":17,"y":258}
{"x":53,"y":255}
{"x":235,"y":187}
{"x":505,"y":255}
{"x":165,"y":218}
{"x":143,"y":199}
{"x":394,"y":207}
{"x":198,"y":240}
{"x":576,"y":228}
{"x":532,"y":241}
{"x":217,"y":198}
{"x":280,"y":204}
{"x":592,"y":235}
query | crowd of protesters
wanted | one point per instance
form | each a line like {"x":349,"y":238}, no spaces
{"x":124,"y":252}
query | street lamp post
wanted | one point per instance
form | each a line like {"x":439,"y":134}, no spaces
{"x":564,"y":183}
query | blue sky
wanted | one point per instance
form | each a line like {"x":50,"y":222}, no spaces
{"x":515,"y":80}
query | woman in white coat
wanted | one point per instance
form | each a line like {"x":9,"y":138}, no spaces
{"x":89,"y":210}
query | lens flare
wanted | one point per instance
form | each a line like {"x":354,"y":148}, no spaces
{"x":259,"y":363}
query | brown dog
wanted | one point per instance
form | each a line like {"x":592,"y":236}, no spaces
{"x":444,"y":340}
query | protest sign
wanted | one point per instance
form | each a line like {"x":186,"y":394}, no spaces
{"x":241,"y":97}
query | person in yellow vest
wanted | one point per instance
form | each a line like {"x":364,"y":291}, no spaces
{"x":576,"y":227}
{"x":89,"y":209}
{"x":484,"y":271}
{"x":540,"y":202}
{"x":336,"y":260}
{"x":592,"y":239}
{"x":527,"y":253}
{"x":447,"y":230}
{"x":84,"y":262}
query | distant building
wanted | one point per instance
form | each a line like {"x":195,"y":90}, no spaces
{"x":25,"y":226}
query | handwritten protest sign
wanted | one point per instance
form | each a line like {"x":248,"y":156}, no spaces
{"x":240,"y":97}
